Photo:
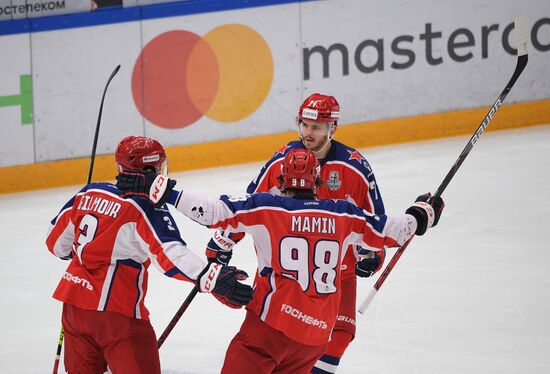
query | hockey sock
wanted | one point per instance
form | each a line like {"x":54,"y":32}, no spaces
{"x":328,"y":362}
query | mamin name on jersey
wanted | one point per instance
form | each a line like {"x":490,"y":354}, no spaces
{"x":322,"y":225}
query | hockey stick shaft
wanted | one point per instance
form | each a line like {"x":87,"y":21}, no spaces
{"x":58,"y":352}
{"x":177,"y":316}
{"x":520,"y":65}
{"x":94,"y":147}
{"x":90,"y":171}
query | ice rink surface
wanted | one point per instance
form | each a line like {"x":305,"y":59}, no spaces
{"x":471,"y":296}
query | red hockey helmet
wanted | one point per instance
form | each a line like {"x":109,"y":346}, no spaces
{"x":140,"y":152}
{"x":320,"y":108}
{"x":300,"y":169}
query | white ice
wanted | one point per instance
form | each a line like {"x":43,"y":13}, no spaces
{"x":472,"y":296}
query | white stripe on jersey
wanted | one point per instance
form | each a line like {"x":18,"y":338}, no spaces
{"x":267,"y":301}
{"x":124,"y":248}
{"x":64,"y":244}
{"x":106,"y":286}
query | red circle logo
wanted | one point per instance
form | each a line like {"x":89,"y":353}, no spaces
{"x":179,"y":77}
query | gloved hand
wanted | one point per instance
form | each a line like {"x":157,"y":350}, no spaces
{"x":145,"y":183}
{"x":220,"y":247}
{"x":223,"y":282}
{"x":427,"y":211}
{"x":370,"y":263}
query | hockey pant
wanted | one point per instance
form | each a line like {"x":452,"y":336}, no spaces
{"x":95,"y":339}
{"x":258,"y":348}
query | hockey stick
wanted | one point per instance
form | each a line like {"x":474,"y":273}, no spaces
{"x":94,"y":147}
{"x":522,"y":37}
{"x":177,"y":316}
{"x":90,"y":171}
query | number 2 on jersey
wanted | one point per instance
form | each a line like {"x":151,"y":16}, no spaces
{"x":86,"y":233}
{"x":295,"y":259}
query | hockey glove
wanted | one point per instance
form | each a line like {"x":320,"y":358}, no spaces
{"x":427,"y":211}
{"x":223,"y":282}
{"x":145,"y":183}
{"x":370,"y":263}
{"x":220,"y":247}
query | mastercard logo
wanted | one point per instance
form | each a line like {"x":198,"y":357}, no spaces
{"x":225,"y":75}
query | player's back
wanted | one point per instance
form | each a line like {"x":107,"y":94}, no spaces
{"x":108,"y":270}
{"x":300,"y":245}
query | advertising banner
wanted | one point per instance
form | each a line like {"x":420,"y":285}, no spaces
{"x":190,"y":78}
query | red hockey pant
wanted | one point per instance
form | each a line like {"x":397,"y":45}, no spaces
{"x":96,"y":339}
{"x":258,"y":348}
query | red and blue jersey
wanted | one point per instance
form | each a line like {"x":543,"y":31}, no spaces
{"x":347,"y":175}
{"x":111,"y":242}
{"x":300,"y":246}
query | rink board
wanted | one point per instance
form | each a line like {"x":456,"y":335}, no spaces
{"x":228,"y":152}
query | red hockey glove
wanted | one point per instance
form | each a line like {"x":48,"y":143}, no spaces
{"x":370,"y":263}
{"x":223,"y":282}
{"x":427,"y":211}
{"x":220,"y":247}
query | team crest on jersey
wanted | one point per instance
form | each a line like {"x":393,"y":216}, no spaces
{"x":334,"y":181}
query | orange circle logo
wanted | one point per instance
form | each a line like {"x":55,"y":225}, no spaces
{"x":179,"y":77}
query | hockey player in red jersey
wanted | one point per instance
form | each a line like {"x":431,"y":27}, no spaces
{"x":348,"y":176}
{"x":300,"y":243}
{"x":110,"y":238}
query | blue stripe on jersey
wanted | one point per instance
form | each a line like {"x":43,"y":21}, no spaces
{"x":338,"y":152}
{"x":109,"y":187}
{"x":163,"y":224}
{"x":68,"y":205}
{"x":110,"y":287}
{"x":266,"y":272}
{"x":175,"y":271}
{"x":130,"y":262}
{"x":262,"y":200}
{"x":253,"y":186}
{"x":101,"y":186}
{"x":342,"y":153}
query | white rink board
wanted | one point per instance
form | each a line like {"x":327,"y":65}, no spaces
{"x":16,"y":139}
{"x":70,"y":68}
{"x":423,"y":88}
